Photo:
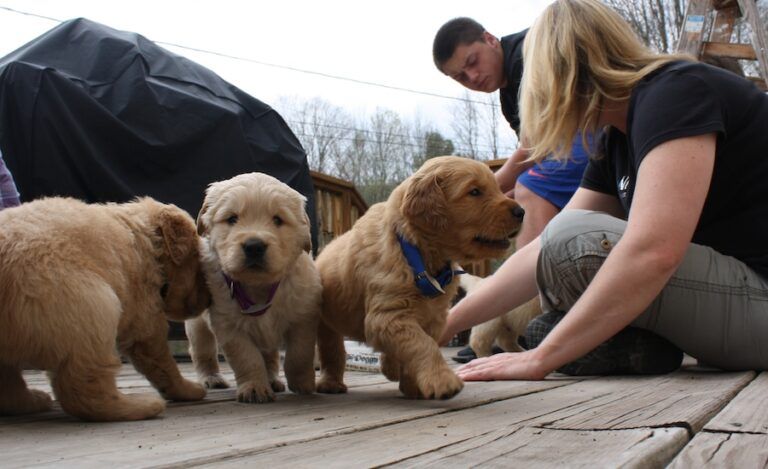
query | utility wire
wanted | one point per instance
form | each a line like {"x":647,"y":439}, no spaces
{"x":284,"y":67}
{"x":372,"y":132}
{"x":295,"y":69}
{"x":457,"y":150}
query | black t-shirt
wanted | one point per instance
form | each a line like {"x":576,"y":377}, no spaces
{"x":685,"y":99}
{"x":512,"y":46}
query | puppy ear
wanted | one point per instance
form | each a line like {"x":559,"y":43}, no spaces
{"x":307,"y":239}
{"x":424,"y":202}
{"x":179,"y":236}
{"x":202,"y":227}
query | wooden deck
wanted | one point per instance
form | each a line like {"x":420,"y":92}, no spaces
{"x":692,"y":418}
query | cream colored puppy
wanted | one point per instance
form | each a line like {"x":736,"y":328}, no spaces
{"x":503,"y":330}
{"x":79,"y":282}
{"x":265,"y":287}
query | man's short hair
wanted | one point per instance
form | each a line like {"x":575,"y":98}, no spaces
{"x":458,"y":31}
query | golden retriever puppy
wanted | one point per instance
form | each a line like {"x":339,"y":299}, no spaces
{"x":265,"y":288}
{"x":389,"y":280}
{"x":77,"y":279}
{"x":503,"y":330}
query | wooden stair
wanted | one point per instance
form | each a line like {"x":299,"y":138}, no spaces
{"x":707,"y":34}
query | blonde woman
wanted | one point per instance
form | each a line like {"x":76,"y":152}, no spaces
{"x":668,"y":232}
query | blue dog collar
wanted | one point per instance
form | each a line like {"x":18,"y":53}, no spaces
{"x":428,"y":285}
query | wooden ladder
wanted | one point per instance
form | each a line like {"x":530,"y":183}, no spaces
{"x":717,"y":48}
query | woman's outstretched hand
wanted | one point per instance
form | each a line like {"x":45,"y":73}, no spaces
{"x":504,"y":366}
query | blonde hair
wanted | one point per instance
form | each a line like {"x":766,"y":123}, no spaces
{"x":577,"y":55}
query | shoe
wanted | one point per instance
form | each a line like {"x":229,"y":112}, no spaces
{"x":464,"y":355}
{"x":631,"y":351}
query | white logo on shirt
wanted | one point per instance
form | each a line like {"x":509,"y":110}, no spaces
{"x":624,"y":184}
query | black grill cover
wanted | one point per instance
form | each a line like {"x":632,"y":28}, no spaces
{"x":103,"y":115}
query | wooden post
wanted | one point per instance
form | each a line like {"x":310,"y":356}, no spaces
{"x":752,"y":17}
{"x":693,"y":27}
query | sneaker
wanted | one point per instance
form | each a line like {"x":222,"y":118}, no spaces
{"x":466,"y":354}
{"x":631,"y":351}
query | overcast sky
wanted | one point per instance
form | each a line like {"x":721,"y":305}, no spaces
{"x":385,"y":42}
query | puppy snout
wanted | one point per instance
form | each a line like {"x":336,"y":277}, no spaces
{"x":518,"y":212}
{"x":254,"y":250}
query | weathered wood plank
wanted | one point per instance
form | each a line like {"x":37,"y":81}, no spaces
{"x":440,"y":438}
{"x":537,"y":447}
{"x":687,"y":398}
{"x":188,"y":433}
{"x":737,"y":450}
{"x":747,"y":412}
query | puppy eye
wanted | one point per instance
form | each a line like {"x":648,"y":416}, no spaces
{"x":278,"y":221}
{"x":475,"y":192}
{"x":232,"y":220}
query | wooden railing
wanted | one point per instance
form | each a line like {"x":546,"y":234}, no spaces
{"x":338,"y":206}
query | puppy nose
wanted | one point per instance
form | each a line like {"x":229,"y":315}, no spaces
{"x":254,"y":249}
{"x":518,"y":212}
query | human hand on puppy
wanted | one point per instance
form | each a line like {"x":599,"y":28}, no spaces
{"x":527,"y":365}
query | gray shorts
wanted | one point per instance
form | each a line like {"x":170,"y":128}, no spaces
{"x":714,"y":307}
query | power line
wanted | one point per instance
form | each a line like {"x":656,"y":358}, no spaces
{"x":26,"y":13}
{"x":284,"y":67}
{"x":459,"y":150}
{"x":373,"y":132}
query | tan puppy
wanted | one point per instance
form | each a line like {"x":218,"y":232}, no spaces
{"x":74,"y":280}
{"x":451,"y":209}
{"x":257,"y":242}
{"x":503,"y":330}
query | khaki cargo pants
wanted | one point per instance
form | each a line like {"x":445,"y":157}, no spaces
{"x":714,"y":307}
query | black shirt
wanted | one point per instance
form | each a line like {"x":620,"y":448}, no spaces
{"x":685,"y":99}
{"x":512,"y":46}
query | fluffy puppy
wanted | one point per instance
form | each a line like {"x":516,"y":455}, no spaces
{"x":76,"y":279}
{"x":265,"y":288}
{"x":451,"y":209}
{"x":503,"y":330}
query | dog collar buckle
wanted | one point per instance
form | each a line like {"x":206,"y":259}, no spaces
{"x":247,"y":306}
{"x":428,"y":285}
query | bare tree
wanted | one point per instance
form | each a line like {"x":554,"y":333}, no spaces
{"x":349,"y":165}
{"x":490,"y":120}
{"x":427,"y":143}
{"x":465,"y":125}
{"x":322,"y":128}
{"x":657,"y":22}
{"x":389,"y":154}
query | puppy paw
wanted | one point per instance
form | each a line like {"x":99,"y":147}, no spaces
{"x":390,"y":368}
{"x":138,"y":407}
{"x":441,"y":384}
{"x":214,"y":381}
{"x":277,"y":385}
{"x":328,"y":386}
{"x":31,"y":402}
{"x":185,"y":391}
{"x":303,"y":387}
{"x":409,"y":388}
{"x":255,"y":393}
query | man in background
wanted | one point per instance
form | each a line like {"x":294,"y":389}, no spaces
{"x":465,"y":51}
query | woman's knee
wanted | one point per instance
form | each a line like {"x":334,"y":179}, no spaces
{"x":573,"y":233}
{"x":573,"y":247}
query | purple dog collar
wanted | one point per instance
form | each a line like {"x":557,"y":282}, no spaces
{"x":247,"y":306}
